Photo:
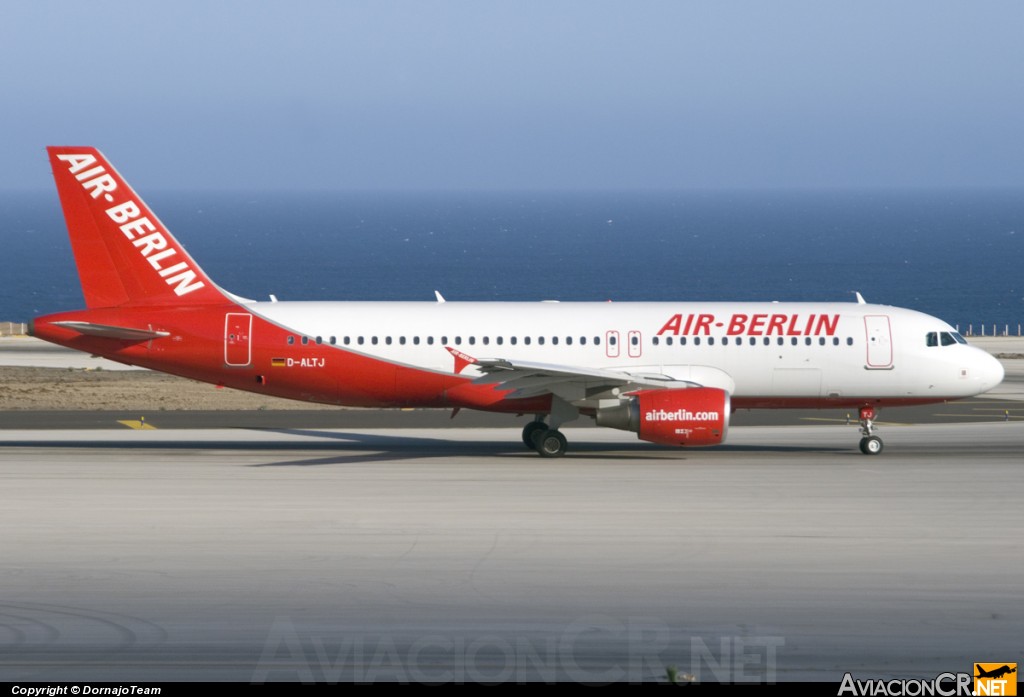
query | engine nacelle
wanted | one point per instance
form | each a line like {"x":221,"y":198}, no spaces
{"x":693,"y":416}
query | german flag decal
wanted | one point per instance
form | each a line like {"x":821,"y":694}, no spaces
{"x":277,"y":362}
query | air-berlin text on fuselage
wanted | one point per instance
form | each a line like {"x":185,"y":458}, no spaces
{"x":761,"y":324}
{"x":143,"y":232}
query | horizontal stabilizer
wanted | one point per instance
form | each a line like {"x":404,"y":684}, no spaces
{"x":108,"y":332}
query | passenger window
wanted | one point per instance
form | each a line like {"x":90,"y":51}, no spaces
{"x":472,"y":341}
{"x":554,"y":341}
{"x":487,"y":341}
{"x":849,"y":341}
{"x":526,"y":340}
{"x":766,"y":341}
{"x":387,"y":340}
{"x":696,"y":341}
{"x":319,"y":340}
{"x":373,"y":341}
{"x":654,"y":340}
{"x":568,"y":341}
{"x":305,"y":340}
{"x":291,"y":340}
{"x":668,"y":341}
{"x":835,"y":341}
{"x":458,"y":341}
{"x":682,"y":341}
{"x":430,"y":341}
{"x":444,"y":340}
{"x":540,"y":340}
{"x":416,"y":341}
{"x":583,"y":341}
{"x":821,"y":341}
{"x":612,"y":340}
{"x":597,"y":341}
{"x":780,"y":341}
{"x":500,"y":341}
{"x":807,"y":341}
{"x":753,"y":341}
{"x":793,"y":341}
{"x":512,"y":340}
{"x":334,"y":340}
{"x":347,"y":340}
{"x":360,"y":341}
{"x":711,"y":341}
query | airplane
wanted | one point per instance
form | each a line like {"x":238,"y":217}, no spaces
{"x":997,"y":672}
{"x":672,"y":372}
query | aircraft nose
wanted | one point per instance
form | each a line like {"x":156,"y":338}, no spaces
{"x":989,"y":371}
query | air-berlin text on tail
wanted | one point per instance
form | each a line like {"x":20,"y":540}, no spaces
{"x":143,"y":232}
{"x":782,"y":324}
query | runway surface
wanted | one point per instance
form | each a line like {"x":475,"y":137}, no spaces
{"x":975,"y":410}
{"x":308,"y":554}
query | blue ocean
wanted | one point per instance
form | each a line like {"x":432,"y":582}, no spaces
{"x":956,"y":254}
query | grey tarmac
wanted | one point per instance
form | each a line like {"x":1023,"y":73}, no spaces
{"x":413,"y":554}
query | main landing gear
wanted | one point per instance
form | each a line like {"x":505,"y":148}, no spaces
{"x":870,"y":444}
{"x":548,"y":442}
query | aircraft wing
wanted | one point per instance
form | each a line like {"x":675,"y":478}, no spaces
{"x":572,"y":383}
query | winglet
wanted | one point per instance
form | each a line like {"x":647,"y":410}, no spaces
{"x":461,"y":359}
{"x":440,"y":298}
{"x":860,"y":298}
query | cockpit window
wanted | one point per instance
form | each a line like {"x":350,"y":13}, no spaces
{"x":943,"y":339}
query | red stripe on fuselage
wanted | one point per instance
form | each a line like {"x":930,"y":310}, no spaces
{"x":830,"y":403}
{"x":317,"y":372}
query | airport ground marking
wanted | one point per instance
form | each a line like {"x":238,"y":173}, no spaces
{"x":138,"y":425}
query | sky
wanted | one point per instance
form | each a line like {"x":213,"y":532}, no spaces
{"x":542,"y":95}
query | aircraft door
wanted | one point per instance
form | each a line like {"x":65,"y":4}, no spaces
{"x":879,"y":341}
{"x":237,"y":338}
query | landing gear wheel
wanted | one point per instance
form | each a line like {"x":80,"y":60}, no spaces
{"x":531,"y":432}
{"x":551,"y":444}
{"x":871,"y":445}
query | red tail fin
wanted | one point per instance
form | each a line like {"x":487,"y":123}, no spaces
{"x":124,"y":254}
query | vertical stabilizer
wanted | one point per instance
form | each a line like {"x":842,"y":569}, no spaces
{"x":124,"y":254}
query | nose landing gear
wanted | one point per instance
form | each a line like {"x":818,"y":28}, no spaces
{"x":870,"y":444}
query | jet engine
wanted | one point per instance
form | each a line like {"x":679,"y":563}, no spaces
{"x":692,"y":416}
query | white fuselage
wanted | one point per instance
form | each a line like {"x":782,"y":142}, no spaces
{"x":828,"y":351}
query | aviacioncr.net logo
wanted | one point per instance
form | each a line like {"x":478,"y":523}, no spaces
{"x":943,"y":685}
{"x":995,"y":679}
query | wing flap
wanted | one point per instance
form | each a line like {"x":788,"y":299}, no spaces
{"x":574,"y":384}
{"x":498,"y":370}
